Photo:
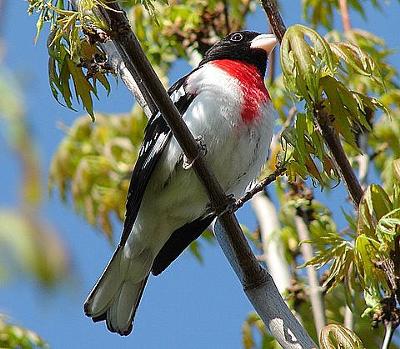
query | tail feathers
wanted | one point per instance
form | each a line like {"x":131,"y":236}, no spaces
{"x":115,"y":298}
{"x":120,"y":315}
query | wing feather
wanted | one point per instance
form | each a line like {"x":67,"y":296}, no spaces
{"x":178,"y":241}
{"x":157,"y":135}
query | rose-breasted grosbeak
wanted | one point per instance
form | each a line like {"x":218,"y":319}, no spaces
{"x":223,"y":101}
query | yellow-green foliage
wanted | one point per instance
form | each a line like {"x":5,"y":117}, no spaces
{"x":311,"y":66}
{"x":95,"y":161}
{"x":13,"y":336}
{"x":337,"y":336}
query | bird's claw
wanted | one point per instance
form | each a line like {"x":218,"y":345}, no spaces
{"x":187,"y":164}
{"x":227,"y":208}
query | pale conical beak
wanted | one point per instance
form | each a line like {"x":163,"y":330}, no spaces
{"x":265,"y":42}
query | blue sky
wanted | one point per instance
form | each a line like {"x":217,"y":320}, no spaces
{"x":188,"y":306}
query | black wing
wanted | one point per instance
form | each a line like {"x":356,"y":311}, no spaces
{"x":156,"y":136}
{"x":178,"y":241}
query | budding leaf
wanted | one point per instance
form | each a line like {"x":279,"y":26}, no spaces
{"x":336,"y":336}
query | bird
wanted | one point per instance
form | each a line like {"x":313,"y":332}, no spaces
{"x":227,"y":108}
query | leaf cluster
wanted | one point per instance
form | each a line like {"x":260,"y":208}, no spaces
{"x":31,"y":246}
{"x":75,"y":62}
{"x":95,"y":161}
{"x":13,"y":336}
{"x":313,"y":71}
{"x":360,"y":256}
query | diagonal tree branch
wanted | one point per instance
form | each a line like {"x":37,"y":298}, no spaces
{"x":342,"y":163}
{"x":330,"y":136}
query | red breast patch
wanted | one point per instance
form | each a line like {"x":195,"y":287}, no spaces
{"x":252,"y":84}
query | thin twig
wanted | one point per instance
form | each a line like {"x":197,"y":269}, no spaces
{"x":363,"y":161}
{"x":363,"y":165}
{"x":348,"y":318}
{"x":348,"y":321}
{"x":395,"y":256}
{"x":272,"y":63}
{"x":260,"y":186}
{"x":272,"y":68}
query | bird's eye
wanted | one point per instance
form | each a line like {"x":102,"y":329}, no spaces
{"x":237,"y":37}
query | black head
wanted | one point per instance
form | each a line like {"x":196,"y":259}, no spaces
{"x":247,"y":46}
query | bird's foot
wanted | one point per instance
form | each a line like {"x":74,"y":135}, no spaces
{"x":187,"y":164}
{"x":229,"y":207}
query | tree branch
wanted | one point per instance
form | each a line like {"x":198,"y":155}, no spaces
{"x":342,"y":163}
{"x":344,"y":11}
{"x":329,"y":134}
{"x":317,"y":304}
{"x":389,"y":331}
{"x":257,"y":283}
{"x":275,"y":19}
{"x":269,"y":304}
{"x":273,"y":256}
{"x":260,"y":186}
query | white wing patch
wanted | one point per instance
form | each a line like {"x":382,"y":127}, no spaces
{"x":178,"y":94}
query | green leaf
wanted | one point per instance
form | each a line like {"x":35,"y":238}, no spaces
{"x":367,"y":252}
{"x":396,"y":169}
{"x":22,"y":239}
{"x":332,"y":248}
{"x":354,"y":57}
{"x":301,"y":62}
{"x":82,"y":87}
{"x":388,"y":226}
{"x":39,"y":26}
{"x":374,"y":204}
{"x":340,"y":110}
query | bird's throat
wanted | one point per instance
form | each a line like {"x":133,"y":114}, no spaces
{"x":252,"y":86}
